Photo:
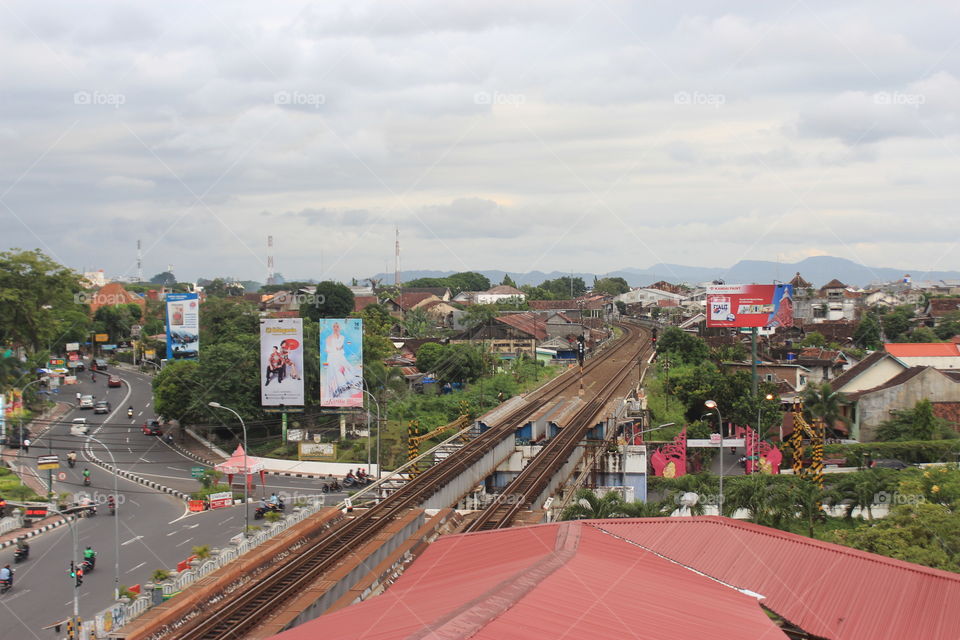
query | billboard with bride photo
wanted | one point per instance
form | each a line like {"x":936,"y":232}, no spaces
{"x":341,"y":362}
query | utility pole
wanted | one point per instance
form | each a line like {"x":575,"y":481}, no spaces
{"x":753,"y":361}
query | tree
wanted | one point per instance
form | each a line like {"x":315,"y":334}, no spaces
{"x":922,"y":334}
{"x":861,"y":490}
{"x":814,"y":339}
{"x":116,"y":320}
{"x":682,"y":346}
{"x":756,"y":494}
{"x":611,"y":286}
{"x":453,"y":363}
{"x":822,"y":403}
{"x":417,"y":324}
{"x":331,"y":300}
{"x":479,"y":314}
{"x":225,"y":319}
{"x":508,"y":281}
{"x":164,"y":278}
{"x":376,"y":320}
{"x":948,"y":326}
{"x":867,"y":333}
{"x":587,"y":506}
{"x":34,"y":290}
{"x":918,"y":423}
{"x":564,"y":287}
{"x":429,"y":356}
{"x":621,"y":307}
{"x":897,"y":322}
{"x":467,"y":281}
{"x":174,"y":386}
{"x":218,"y":287}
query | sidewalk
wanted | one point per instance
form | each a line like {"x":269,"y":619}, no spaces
{"x":29,"y":531}
{"x":20,"y":463}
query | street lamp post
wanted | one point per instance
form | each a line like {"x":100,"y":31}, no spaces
{"x":20,"y":438}
{"x":377,"y":403}
{"x":246,"y":467}
{"x":116,"y":522}
{"x":710,"y":404}
{"x":753,"y":467}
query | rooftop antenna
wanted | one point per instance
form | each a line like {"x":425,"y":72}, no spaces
{"x":270,"y":274}
{"x":139,"y":263}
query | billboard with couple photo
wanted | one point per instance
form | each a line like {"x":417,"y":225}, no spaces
{"x":281,"y":362}
{"x":341,"y":362}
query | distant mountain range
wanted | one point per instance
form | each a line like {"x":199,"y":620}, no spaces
{"x":817,"y":270}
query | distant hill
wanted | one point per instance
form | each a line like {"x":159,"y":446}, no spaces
{"x":817,"y":270}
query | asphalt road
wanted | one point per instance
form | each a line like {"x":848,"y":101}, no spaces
{"x":155,"y":529}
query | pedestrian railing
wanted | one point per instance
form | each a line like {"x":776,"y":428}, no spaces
{"x":10,"y":523}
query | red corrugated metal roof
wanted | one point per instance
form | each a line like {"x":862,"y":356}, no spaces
{"x":565,"y":580}
{"x":826,"y":589}
{"x":922,"y":349}
{"x":529,"y":323}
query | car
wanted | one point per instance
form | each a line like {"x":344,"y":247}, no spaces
{"x":101,"y":406}
{"x":79,"y":427}
{"x":98,"y":364}
{"x":151,"y":428}
{"x":76,"y":365}
{"x":86,"y":402}
{"x":113,"y":381}
{"x":889,"y":463}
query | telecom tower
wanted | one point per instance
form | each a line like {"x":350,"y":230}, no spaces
{"x":270,"y":274}
{"x":139,"y":263}
{"x":396,"y":273}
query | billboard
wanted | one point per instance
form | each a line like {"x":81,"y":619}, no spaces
{"x":183,"y":326}
{"x":281,"y":361}
{"x":750,"y":305}
{"x":341,"y":362}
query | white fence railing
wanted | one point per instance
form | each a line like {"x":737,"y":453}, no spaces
{"x":9,"y":524}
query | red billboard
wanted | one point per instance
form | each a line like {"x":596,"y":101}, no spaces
{"x":750,"y":305}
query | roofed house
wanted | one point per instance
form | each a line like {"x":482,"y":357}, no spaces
{"x":871,"y":407}
{"x":112,"y":294}
{"x":872,"y":371}
{"x":938,"y":308}
{"x":506,"y":338}
{"x":553,"y":305}
{"x":500,"y":293}
{"x":792,"y":379}
{"x":942,"y":355}
{"x":406,"y":301}
{"x":824,"y":364}
{"x":362,"y":302}
{"x":560,"y":324}
{"x":441,"y":292}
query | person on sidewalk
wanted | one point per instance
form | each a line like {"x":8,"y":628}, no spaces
{"x":26,"y":445}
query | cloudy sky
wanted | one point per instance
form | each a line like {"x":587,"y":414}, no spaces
{"x":519,"y":135}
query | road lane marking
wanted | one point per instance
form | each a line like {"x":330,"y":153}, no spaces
{"x":129,"y":541}
{"x":136,"y":567}
{"x":134,"y":501}
{"x":191,"y":526}
{"x":147,"y":405}
{"x":143,"y":460}
{"x":184,"y":542}
{"x":176,"y":468}
{"x":172,"y":533}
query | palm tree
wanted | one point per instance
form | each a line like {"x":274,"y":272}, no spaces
{"x":648,"y":509}
{"x":758,"y":494}
{"x":587,"y":506}
{"x":805,"y":501}
{"x":862,"y":489}
{"x":822,"y":403}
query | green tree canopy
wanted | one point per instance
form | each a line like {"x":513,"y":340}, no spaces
{"x":226,"y":319}
{"x":612,"y":286}
{"x":681,"y":346}
{"x":508,"y":281}
{"x":164,"y":278}
{"x":867,"y":333}
{"x":918,"y":423}
{"x":821,"y":402}
{"x":451,"y":363}
{"x":479,"y":314}
{"x":564,"y":287}
{"x":897,"y":322}
{"x":468,"y":281}
{"x":332,"y":300}
{"x":417,"y":324}
{"x":948,"y":326}
{"x":219,"y":287}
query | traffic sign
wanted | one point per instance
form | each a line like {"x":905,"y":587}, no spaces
{"x":61,"y":476}
{"x":196,"y":472}
{"x":101,"y":337}
{"x":48,"y":462}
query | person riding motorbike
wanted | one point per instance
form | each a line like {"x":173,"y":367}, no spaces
{"x":130,"y":411}
{"x":89,"y":555}
{"x":6,"y":577}
{"x":72,"y":459}
{"x":93,"y":377}
{"x":86,"y":477}
{"x":111,"y":504}
{"x":22,"y":551}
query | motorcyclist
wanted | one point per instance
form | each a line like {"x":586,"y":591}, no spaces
{"x":111,"y":504}
{"x":86,"y":476}
{"x":6,"y":574}
{"x":3,"y":506}
{"x":90,"y":556}
{"x":273,"y":500}
{"x":72,"y":458}
{"x":130,"y":411}
{"x":23,"y":549}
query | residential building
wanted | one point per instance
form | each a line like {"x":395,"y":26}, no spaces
{"x":824,"y":364}
{"x":500,"y":293}
{"x":791,"y":378}
{"x":941,"y":355}
{"x":112,"y":294}
{"x":561,"y":325}
{"x":874,"y":370}
{"x":834,"y":301}
{"x":398,"y":305}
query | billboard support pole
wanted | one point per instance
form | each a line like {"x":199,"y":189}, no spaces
{"x":753,"y":360}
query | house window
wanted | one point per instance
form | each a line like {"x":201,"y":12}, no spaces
{"x":819,"y":312}
{"x":803,"y":381}
{"x":768,"y":377}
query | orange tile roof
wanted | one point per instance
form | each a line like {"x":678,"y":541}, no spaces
{"x":922,"y":349}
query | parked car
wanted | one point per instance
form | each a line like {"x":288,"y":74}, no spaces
{"x":86,"y":402}
{"x":79,"y":427}
{"x":98,"y":364}
{"x":113,"y":381}
{"x":889,"y":463}
{"x":152,"y":428}
{"x":102,"y":406}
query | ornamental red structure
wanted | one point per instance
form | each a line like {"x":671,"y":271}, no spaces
{"x":670,"y":460}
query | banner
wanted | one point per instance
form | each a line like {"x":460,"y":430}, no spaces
{"x":750,"y":305}
{"x":341,"y":362}
{"x":183,"y":326}
{"x":281,"y":362}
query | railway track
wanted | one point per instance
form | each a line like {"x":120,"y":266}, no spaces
{"x":535,"y":477}
{"x":239,"y":615}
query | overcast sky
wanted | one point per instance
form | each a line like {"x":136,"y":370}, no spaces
{"x":520,"y":135}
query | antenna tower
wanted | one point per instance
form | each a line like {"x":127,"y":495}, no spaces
{"x":396,"y":273}
{"x":270,"y":274}
{"x":139,"y":263}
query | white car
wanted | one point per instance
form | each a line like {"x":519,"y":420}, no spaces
{"x":86,"y":402}
{"x":79,"y":427}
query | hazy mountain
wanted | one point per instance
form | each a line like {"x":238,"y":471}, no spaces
{"x":817,"y":270}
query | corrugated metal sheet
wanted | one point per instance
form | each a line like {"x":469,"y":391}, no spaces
{"x":566,"y":580}
{"x":828,"y":590}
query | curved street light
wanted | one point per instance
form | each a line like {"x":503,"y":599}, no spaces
{"x":246,"y":467}
{"x":116,"y":521}
{"x":711,"y":404}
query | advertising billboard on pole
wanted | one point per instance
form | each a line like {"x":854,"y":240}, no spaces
{"x":281,"y":362}
{"x":766,"y":306}
{"x":183,"y":326}
{"x":341,"y":362}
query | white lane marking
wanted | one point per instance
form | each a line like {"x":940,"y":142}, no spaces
{"x":172,"y":533}
{"x":129,"y":541}
{"x":191,"y":526}
{"x":186,"y":514}
{"x":176,"y":468}
{"x":147,"y":405}
{"x":129,"y":450}
{"x":134,"y":501}
{"x":132,"y":569}
{"x":184,"y":542}
{"x":139,"y":414}
{"x":143,"y":460}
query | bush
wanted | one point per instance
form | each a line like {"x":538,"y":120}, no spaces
{"x":220,"y":488}
{"x":160,"y":575}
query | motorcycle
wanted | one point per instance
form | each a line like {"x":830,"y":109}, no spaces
{"x":129,"y":413}
{"x":71,"y":462}
{"x":262,"y":511}
{"x":5,"y":585}
{"x":349,"y":481}
{"x":331,"y":486}
{"x":113,"y":508}
{"x":21,"y":554}
{"x":86,"y":481}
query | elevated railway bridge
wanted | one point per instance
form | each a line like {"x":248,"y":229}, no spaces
{"x":256,"y":602}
